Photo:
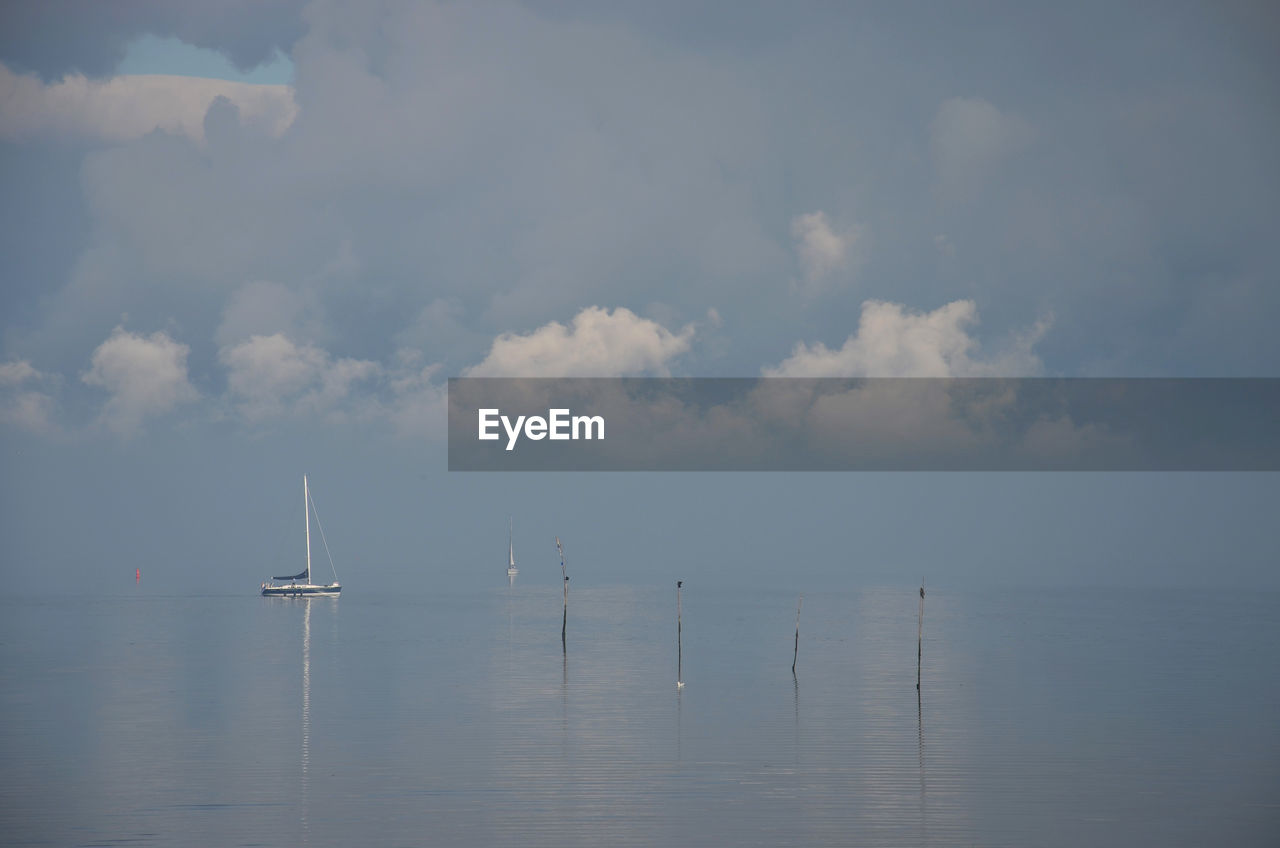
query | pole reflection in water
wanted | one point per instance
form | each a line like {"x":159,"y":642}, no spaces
{"x":511,"y":631}
{"x":795,"y":683}
{"x":679,"y":722}
{"x":923,"y":794}
{"x":564,"y":707}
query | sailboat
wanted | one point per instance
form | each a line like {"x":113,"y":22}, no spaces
{"x":512,"y":571}
{"x":300,"y":584}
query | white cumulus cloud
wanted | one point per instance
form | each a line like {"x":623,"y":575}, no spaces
{"x":143,"y":376}
{"x":894,"y":342}
{"x":598,"y":343}
{"x":17,"y":373}
{"x":271,"y":376}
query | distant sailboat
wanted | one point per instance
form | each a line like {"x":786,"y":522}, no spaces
{"x":300,"y":584}
{"x":512,"y":571}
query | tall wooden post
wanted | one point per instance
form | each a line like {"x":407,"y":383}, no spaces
{"x":920,"y":636}
{"x":564,"y":620}
{"x":796,"y":654}
{"x":679,"y":638}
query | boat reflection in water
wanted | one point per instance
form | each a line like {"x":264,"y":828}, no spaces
{"x":306,"y":719}
{"x":512,"y":571}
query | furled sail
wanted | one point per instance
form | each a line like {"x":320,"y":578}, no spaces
{"x":302,"y":576}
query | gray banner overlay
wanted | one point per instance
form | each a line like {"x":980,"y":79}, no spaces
{"x":881,"y":424}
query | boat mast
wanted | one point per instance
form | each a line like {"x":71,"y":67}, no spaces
{"x":511,"y":551}
{"x":306,"y":511}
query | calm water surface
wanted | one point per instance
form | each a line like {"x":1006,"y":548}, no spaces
{"x":1051,"y":717}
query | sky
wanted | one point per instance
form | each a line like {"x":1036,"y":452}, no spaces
{"x":254,"y":240}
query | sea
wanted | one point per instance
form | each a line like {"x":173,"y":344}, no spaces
{"x":416,"y":717}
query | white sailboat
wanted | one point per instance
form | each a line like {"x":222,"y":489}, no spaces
{"x":512,"y":571}
{"x":300,"y":584}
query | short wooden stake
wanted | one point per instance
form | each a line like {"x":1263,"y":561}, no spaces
{"x":920,"y":636}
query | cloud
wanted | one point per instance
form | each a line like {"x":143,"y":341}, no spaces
{"x":144,"y":376}
{"x":271,"y":376}
{"x":128,"y":107}
{"x":506,"y":188}
{"x":22,"y":406}
{"x":501,"y":178}
{"x":822,"y":252}
{"x":969,"y":135}
{"x":58,"y":36}
{"x":418,"y":404}
{"x":893,"y":342}
{"x":30,"y":410}
{"x":441,"y":328}
{"x":599,"y":343}
{"x":1060,"y":439}
{"x":17,"y":373}
{"x":262,"y":308}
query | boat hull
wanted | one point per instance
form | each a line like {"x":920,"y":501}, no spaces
{"x":299,"y":590}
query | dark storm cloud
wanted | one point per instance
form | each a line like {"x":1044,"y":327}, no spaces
{"x":56,"y":37}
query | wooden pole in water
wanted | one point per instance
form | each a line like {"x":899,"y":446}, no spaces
{"x":920,"y":636}
{"x":564,"y":621}
{"x":796,"y":654}
{"x":679,"y":638}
